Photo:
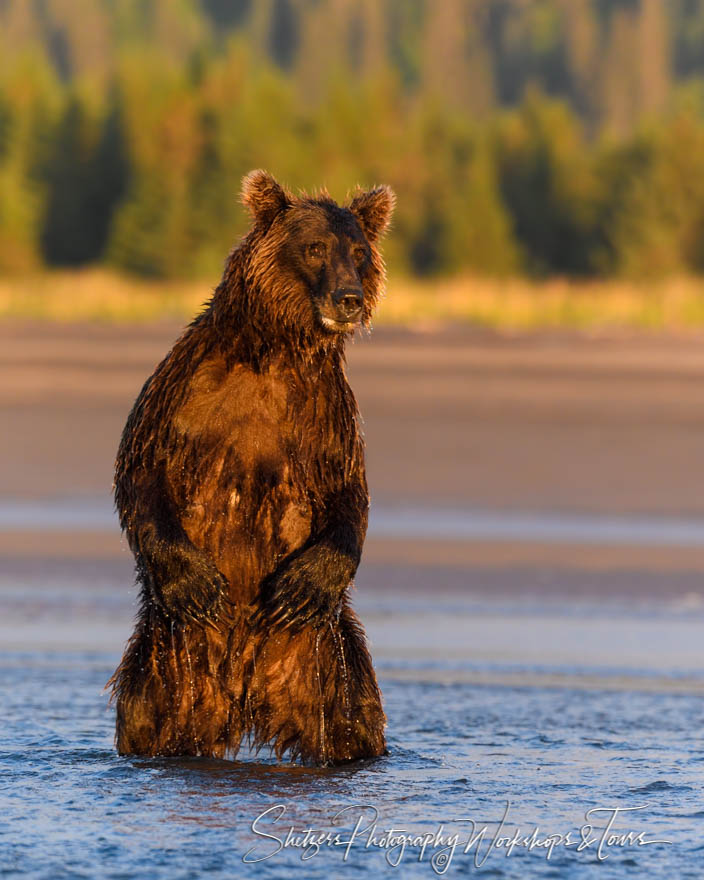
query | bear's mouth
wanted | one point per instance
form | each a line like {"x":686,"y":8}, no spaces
{"x":338,"y":326}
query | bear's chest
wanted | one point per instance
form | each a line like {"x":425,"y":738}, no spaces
{"x":247,"y":435}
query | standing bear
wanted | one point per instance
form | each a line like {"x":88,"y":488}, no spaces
{"x":240,"y":485}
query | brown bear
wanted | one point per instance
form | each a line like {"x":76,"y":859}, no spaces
{"x":240,"y":485}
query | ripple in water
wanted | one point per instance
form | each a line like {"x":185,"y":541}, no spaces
{"x":73,"y":808}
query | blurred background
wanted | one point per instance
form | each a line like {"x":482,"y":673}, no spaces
{"x":525,"y":138}
{"x":532,"y":395}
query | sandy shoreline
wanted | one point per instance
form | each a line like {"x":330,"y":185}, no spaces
{"x":540,"y":422}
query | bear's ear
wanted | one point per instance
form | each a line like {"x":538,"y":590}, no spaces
{"x":373,"y":210}
{"x":263,"y":196}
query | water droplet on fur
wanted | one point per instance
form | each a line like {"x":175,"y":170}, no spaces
{"x":320,"y":694}
{"x":346,"y":707}
{"x":174,"y":653}
{"x":192,"y":686}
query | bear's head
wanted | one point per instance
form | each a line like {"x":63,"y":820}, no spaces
{"x":310,"y":267}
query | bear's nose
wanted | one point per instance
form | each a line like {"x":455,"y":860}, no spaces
{"x":348,"y":300}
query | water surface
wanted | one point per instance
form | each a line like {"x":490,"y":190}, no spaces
{"x":557,"y":710}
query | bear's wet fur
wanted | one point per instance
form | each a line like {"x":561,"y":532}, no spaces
{"x":240,"y":485}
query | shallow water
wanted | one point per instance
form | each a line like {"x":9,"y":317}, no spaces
{"x":556,"y":710}
{"x":71,"y":805}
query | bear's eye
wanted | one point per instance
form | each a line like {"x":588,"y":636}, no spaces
{"x":360,"y":255}
{"x":317,"y":250}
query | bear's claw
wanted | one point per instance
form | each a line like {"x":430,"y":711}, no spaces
{"x":292,"y":604}
{"x":197,"y":596}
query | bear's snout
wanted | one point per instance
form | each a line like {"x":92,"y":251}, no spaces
{"x":348,"y":302}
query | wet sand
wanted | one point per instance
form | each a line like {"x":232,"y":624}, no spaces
{"x":453,"y":419}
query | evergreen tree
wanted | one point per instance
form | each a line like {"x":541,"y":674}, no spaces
{"x":109,"y":173}
{"x":68,"y":236}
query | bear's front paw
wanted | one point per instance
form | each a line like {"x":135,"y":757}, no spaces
{"x":292,"y":600}
{"x":192,"y":590}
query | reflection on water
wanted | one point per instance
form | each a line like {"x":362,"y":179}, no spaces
{"x":85,"y":514}
{"x":558,"y":710}
{"x":557,"y":528}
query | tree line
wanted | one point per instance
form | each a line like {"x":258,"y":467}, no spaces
{"x":540,"y":138}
